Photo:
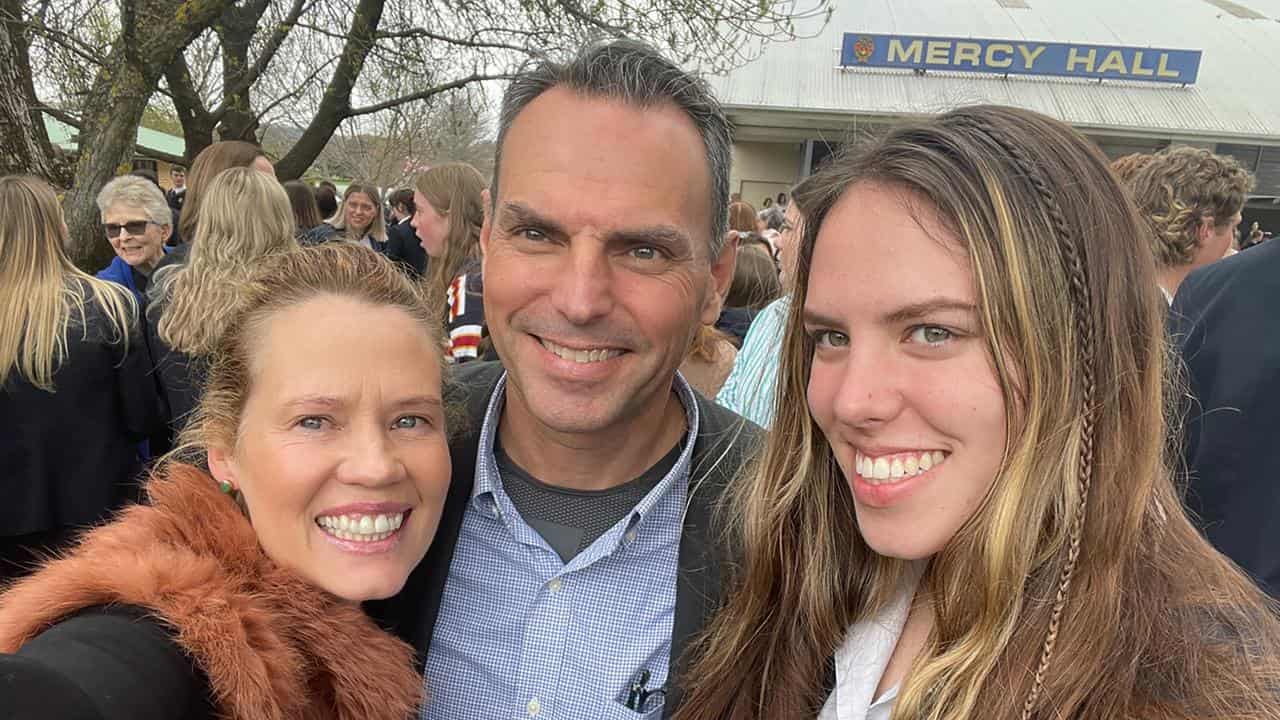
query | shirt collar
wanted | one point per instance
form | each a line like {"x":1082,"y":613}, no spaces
{"x":487,"y":483}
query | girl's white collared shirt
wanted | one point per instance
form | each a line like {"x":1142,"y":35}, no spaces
{"x":863,"y":656}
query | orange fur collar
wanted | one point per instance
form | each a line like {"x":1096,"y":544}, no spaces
{"x":273,"y":646}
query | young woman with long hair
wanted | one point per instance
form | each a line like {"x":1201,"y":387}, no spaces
{"x":973,"y":515}
{"x":245,"y":216}
{"x":447,"y":217}
{"x":359,"y":218}
{"x":76,"y":393}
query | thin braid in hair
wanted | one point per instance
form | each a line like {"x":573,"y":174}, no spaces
{"x":1082,"y":309}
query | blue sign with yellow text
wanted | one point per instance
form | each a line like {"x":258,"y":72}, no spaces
{"x":1020,"y":57}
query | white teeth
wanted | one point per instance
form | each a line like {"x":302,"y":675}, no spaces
{"x":580,"y":356}
{"x":879,"y":471}
{"x":361,"y":528}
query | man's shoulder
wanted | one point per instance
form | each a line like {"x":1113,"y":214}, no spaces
{"x":725,"y":442}
{"x":1243,"y":283}
{"x":468,"y":387}
{"x":1253,"y":266}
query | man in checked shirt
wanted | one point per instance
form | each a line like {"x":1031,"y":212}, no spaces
{"x":577,"y":553}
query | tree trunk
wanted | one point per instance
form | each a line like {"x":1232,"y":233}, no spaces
{"x":107,"y":142}
{"x":336,"y":103}
{"x":235,"y":32}
{"x":197,"y":123}
{"x":24,"y":143}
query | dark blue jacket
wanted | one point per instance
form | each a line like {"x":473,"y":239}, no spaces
{"x":1224,"y":321}
{"x":121,"y":273}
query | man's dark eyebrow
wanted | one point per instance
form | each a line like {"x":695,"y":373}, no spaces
{"x":664,"y":235}
{"x":516,"y":214}
{"x":924,"y":308}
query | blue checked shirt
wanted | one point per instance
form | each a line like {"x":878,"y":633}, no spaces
{"x":521,"y":634}
{"x":752,"y":384}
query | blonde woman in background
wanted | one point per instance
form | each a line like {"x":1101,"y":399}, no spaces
{"x":358,"y":220}
{"x":76,"y":397}
{"x":245,"y":216}
{"x":964,"y":511}
{"x":447,"y":217}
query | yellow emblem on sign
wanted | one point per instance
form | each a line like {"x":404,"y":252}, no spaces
{"x":864,"y":48}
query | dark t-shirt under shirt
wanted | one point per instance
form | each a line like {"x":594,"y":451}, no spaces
{"x":570,"y":520}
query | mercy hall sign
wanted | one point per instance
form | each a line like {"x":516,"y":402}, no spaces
{"x":1010,"y":57}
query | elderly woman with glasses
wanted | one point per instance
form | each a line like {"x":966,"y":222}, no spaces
{"x":137,"y":219}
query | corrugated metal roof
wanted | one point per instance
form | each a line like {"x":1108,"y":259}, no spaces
{"x":1237,"y":94}
{"x":68,"y":138}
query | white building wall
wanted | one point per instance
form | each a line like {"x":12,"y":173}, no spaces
{"x":763,"y":169}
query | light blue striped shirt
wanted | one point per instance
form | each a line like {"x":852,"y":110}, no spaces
{"x":752,"y":384}
{"x":521,"y":634}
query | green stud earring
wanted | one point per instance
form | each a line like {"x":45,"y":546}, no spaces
{"x":225,"y":487}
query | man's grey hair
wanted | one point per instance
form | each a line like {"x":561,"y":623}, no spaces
{"x":134,"y":192}
{"x":635,"y":73}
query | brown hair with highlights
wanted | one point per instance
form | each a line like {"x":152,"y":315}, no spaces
{"x":1079,"y":588}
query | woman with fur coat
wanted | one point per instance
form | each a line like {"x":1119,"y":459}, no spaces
{"x":235,"y":593}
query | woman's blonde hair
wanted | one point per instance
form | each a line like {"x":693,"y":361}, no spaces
{"x":40,"y":288}
{"x":456,"y":190}
{"x":377,"y":228}
{"x":245,"y":217}
{"x":280,"y":282}
{"x":210,"y":163}
{"x":1079,"y":589}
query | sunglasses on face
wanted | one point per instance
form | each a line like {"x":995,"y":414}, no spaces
{"x":135,"y":227}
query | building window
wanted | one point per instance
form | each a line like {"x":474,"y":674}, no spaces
{"x":144,"y":164}
{"x":1267,"y":175}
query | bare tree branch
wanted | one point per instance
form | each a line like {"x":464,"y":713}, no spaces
{"x":251,"y":76}
{"x":426,"y":93}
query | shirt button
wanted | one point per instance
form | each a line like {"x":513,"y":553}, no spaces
{"x":555,"y":585}
{"x":534,"y":707}
{"x":630,"y":536}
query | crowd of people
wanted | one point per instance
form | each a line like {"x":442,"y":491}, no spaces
{"x":971,"y":423}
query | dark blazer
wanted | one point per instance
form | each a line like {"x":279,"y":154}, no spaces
{"x":724,"y":443}
{"x":69,"y":457}
{"x":1224,"y":323}
{"x":177,"y":376}
{"x":104,"y":663}
{"x":403,"y":247}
